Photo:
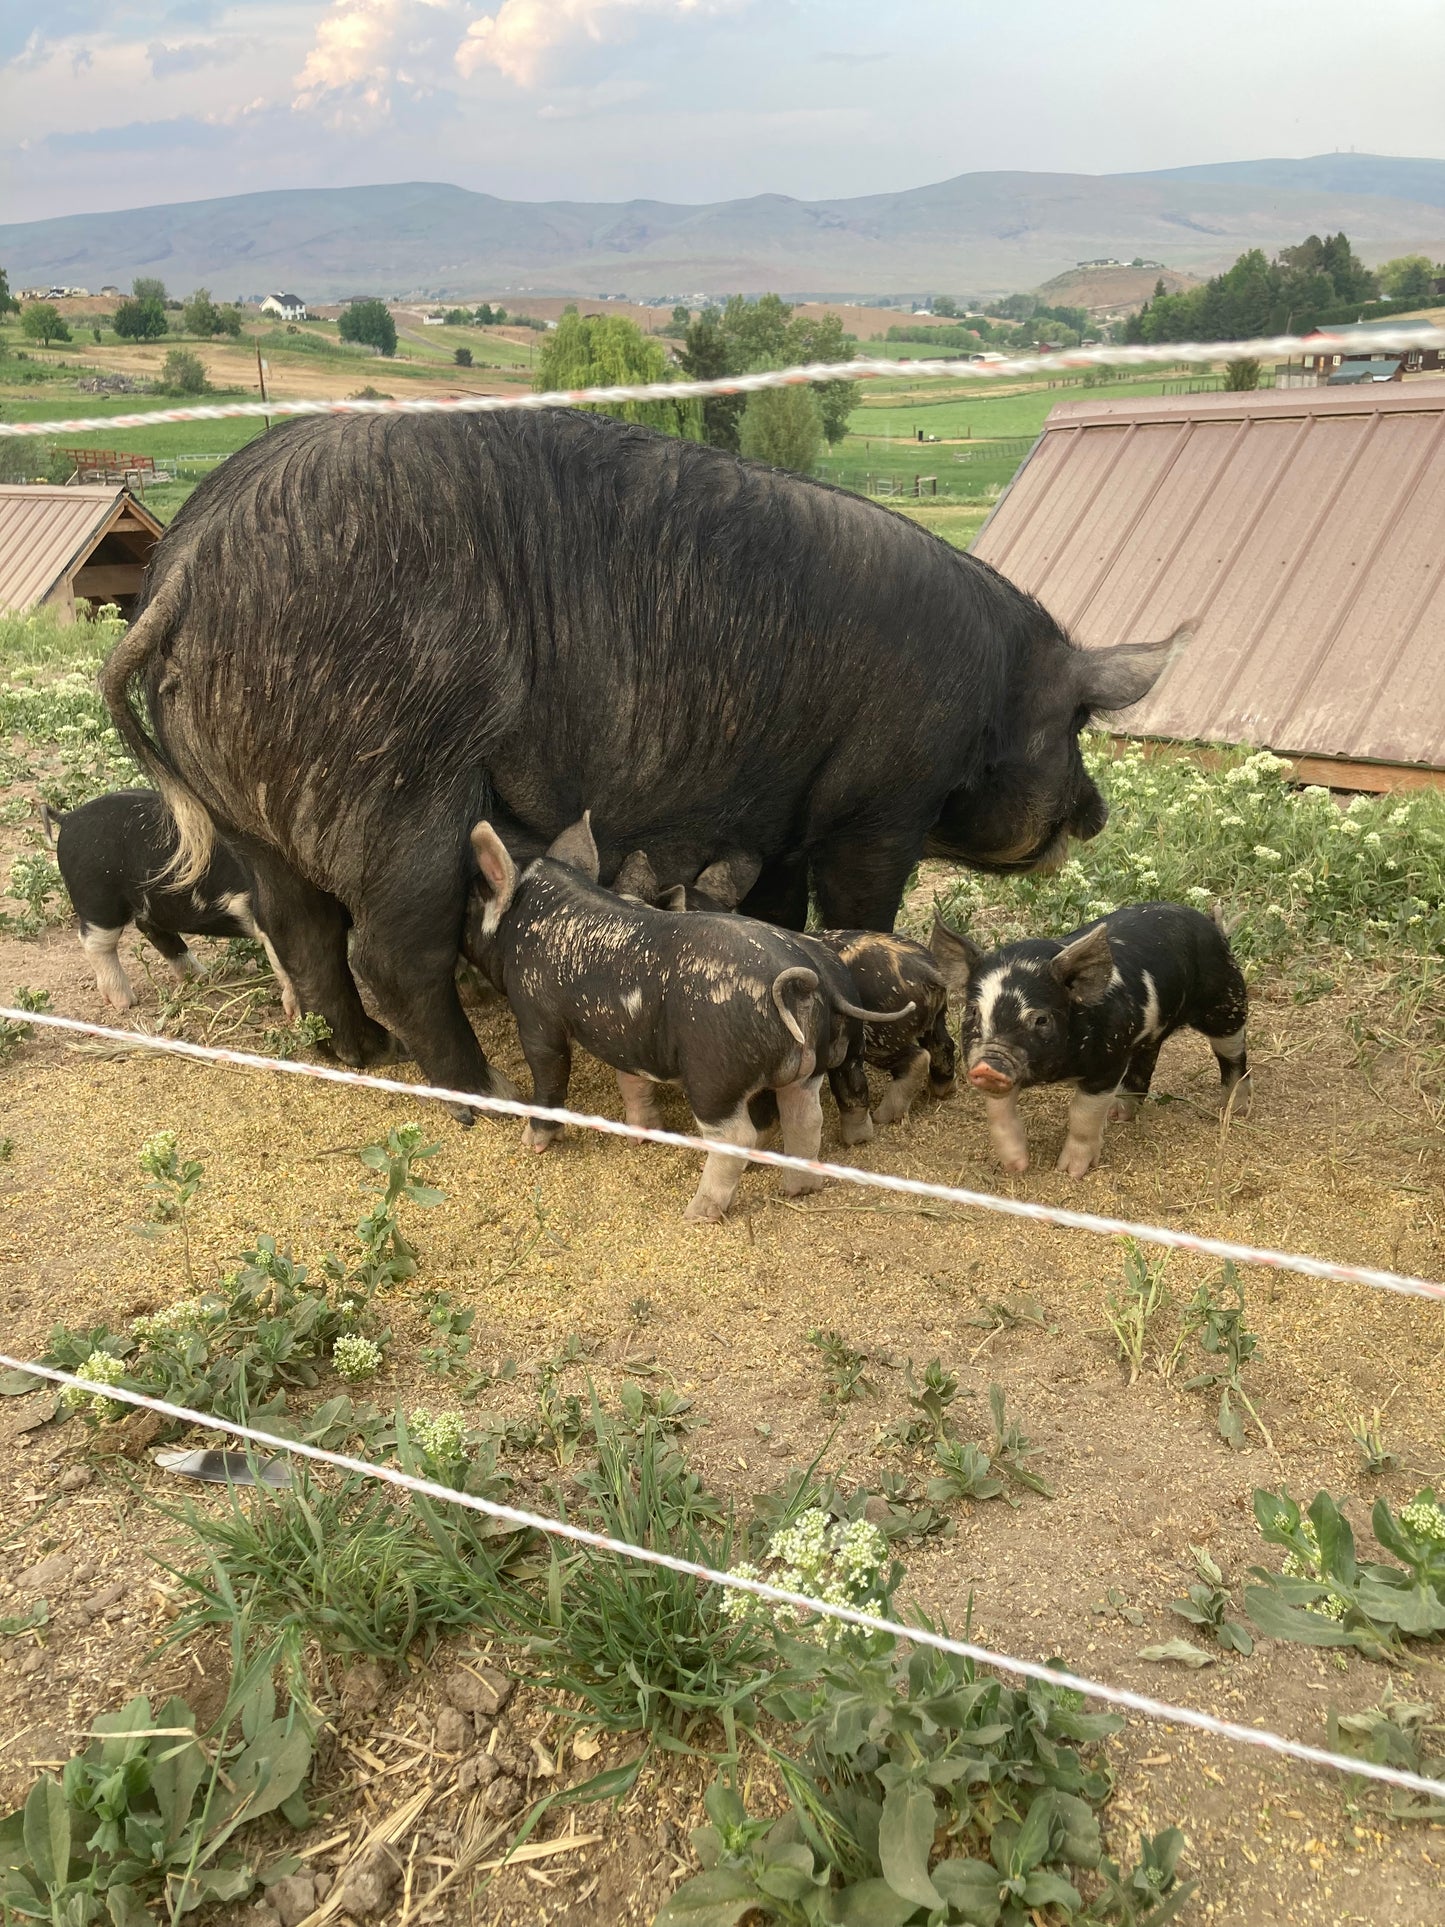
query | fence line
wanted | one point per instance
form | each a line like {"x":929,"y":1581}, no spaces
{"x":1122,"y":1696}
{"x":1224,"y":1248}
{"x":1141,"y":355}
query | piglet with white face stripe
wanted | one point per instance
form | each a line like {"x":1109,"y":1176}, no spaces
{"x":1093,"y":1008}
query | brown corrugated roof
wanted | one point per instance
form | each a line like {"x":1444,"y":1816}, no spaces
{"x":45,"y":531}
{"x":1306,"y":530}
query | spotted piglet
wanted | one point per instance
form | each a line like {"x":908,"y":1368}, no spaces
{"x":1093,"y":1008}
{"x":113,"y":853}
{"x":721,"y":1005}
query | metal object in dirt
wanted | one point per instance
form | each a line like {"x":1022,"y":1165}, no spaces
{"x":225,"y":1468}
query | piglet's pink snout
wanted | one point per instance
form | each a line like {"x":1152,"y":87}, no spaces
{"x":984,"y":1077}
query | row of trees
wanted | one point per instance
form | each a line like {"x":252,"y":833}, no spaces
{"x":1302,"y":287}
{"x":784,"y":426}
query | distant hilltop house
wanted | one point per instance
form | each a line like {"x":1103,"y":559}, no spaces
{"x":110,"y":290}
{"x":289,"y":307}
{"x":1331,"y":366}
{"x":54,"y":294}
{"x":433,"y":320}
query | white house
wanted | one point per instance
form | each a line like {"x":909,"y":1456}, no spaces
{"x":290,"y":307}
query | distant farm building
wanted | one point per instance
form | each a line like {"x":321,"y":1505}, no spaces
{"x":289,"y":307}
{"x":61,"y":544}
{"x":1329,"y":363}
{"x":1301,"y":529}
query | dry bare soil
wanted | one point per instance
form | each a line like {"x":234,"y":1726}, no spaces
{"x":1334,"y":1160}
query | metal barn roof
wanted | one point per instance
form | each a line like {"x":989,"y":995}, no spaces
{"x":46,"y":534}
{"x":1306,"y":531}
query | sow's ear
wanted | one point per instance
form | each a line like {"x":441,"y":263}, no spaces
{"x":954,"y":955}
{"x":1085,"y":966}
{"x":575,"y":847}
{"x":499,"y":873}
{"x":729,"y":879}
{"x":1113,"y":679}
{"x":636,"y":878}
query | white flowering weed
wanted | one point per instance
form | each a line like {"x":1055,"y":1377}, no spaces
{"x":355,"y":1357}
{"x":842,"y":1565}
{"x":101,"y":1368}
{"x":1290,"y":863}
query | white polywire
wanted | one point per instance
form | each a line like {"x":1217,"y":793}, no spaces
{"x":844,"y":1173}
{"x":1123,"y":1696}
{"x":1067,"y":361}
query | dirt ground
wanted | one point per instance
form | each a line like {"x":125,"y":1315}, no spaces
{"x":1333,"y":1161}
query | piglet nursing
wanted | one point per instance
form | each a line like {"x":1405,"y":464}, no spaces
{"x":1093,"y":1008}
{"x":721,"y":1005}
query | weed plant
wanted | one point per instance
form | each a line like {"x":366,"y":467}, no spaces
{"x":919,"y":1791}
{"x":238,"y":1347}
{"x":1325,"y":1596}
{"x":146,"y":1820}
{"x":1399,"y":1732}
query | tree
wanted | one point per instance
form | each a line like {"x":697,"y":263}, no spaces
{"x":945,"y":305}
{"x":1409,"y":277}
{"x":680,"y":323}
{"x":370,"y":323}
{"x":784,"y":428}
{"x":462,"y":357}
{"x":201,"y":316}
{"x":487,"y":316}
{"x":147,"y":288}
{"x":744,"y":336}
{"x":137,"y":320}
{"x":603,"y":351}
{"x":184,"y":373}
{"x":1241,"y":375}
{"x":42,"y":321}
{"x":8,"y":303}
{"x":457,"y":318}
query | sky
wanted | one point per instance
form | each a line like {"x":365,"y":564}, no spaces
{"x":123,"y":103}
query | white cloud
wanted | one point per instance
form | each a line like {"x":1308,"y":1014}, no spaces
{"x":363,"y":47}
{"x":523,"y":37}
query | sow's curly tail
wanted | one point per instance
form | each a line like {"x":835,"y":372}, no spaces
{"x":119,"y":676}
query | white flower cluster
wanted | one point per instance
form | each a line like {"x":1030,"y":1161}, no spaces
{"x":441,"y":1435}
{"x":174,"y":1321}
{"x":101,"y":1368}
{"x":355,"y":1357}
{"x":1425,"y":1520}
{"x":838,"y":1564}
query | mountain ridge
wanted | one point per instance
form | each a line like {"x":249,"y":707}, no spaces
{"x":979,"y":231}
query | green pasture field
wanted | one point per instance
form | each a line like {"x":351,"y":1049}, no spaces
{"x":944,"y":409}
{"x":859,"y":464}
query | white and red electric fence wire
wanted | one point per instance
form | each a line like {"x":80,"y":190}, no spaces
{"x":1376,"y":338}
{"x":1123,"y":1697}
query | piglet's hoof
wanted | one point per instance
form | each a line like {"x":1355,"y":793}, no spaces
{"x":1015,"y":1166}
{"x":705,"y":1210}
{"x":1077,"y":1161}
{"x":539,"y":1137}
{"x":795,"y":1184}
{"x":1124,"y":1110}
{"x":855,"y":1127}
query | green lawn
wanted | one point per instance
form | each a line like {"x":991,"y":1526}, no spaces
{"x":949,"y":409}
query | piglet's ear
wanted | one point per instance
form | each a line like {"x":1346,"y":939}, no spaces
{"x":499,"y":874}
{"x":954,"y":955}
{"x":636,"y":878}
{"x":575,"y":847}
{"x":729,"y":879}
{"x":1085,"y":966}
{"x":674,"y":899}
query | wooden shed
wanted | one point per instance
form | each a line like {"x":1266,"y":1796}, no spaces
{"x":1303,"y":529}
{"x":57,"y":544}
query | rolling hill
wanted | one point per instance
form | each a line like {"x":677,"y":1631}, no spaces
{"x":979,"y":231}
